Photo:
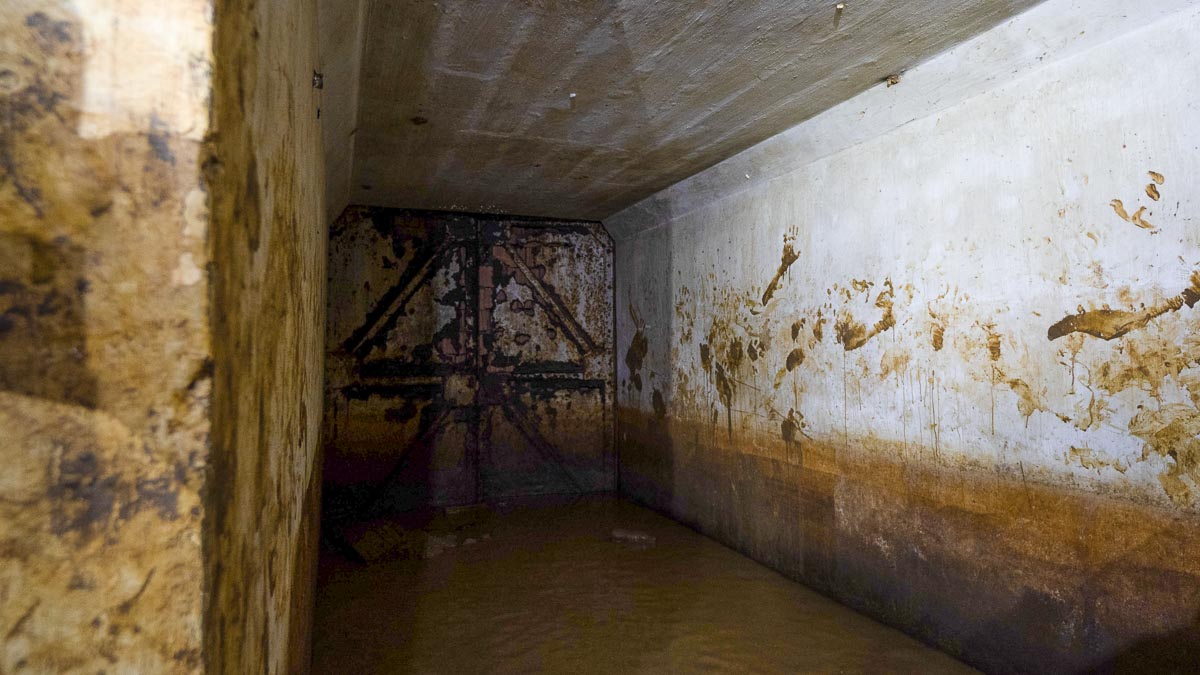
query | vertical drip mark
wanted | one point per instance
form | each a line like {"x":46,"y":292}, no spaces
{"x":993,"y":394}
{"x":845,"y":403}
{"x":1073,"y":355}
{"x":904,"y":411}
{"x":1025,"y":481}
{"x":937,"y":417}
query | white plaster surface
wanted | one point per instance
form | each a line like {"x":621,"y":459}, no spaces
{"x":980,"y":186}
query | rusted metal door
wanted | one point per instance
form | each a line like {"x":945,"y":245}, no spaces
{"x":471,"y":358}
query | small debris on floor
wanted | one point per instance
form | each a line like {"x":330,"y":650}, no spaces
{"x":633,"y":538}
{"x":436,"y":544}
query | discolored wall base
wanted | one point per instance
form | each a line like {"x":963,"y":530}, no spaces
{"x":1010,"y":576}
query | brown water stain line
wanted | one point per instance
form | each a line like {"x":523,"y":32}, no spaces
{"x":1109,"y":324}
{"x":788,"y":257}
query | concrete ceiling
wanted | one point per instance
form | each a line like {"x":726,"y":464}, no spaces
{"x":579,"y":109}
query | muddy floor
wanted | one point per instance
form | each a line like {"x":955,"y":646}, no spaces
{"x":597,"y":585}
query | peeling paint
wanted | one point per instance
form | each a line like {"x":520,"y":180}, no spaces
{"x":470,"y":358}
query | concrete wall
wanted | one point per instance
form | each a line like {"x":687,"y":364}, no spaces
{"x":340,"y":44}
{"x":104,"y":341}
{"x":161,"y":303}
{"x":266,"y":174}
{"x":934,"y":351}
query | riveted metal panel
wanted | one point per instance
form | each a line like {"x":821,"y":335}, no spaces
{"x":471,"y":357}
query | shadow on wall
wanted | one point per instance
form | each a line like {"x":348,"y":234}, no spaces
{"x":646,"y":378}
{"x":43,"y":292}
{"x":43,"y":285}
{"x":100,"y":452}
{"x":1175,"y":652}
{"x":43,"y":356}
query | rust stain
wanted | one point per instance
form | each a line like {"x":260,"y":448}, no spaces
{"x":1109,"y":324}
{"x":1152,"y":191}
{"x":706,"y":357}
{"x":818,"y":328}
{"x":938,"y":337}
{"x":788,"y":257}
{"x":1018,"y":524}
{"x":1157,"y":177}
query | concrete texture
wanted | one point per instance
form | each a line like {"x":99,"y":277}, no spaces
{"x":339,"y":48}
{"x":933,"y":351}
{"x":267,"y":242}
{"x":577,"y":110}
{"x":594,"y":586}
{"x":469,"y":358}
{"x":104,"y":341}
{"x":161,"y":296}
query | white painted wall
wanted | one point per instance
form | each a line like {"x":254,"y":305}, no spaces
{"x":980,"y":186}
